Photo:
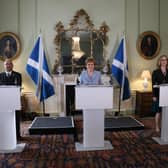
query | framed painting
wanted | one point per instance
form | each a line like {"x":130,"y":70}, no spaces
{"x":10,"y":46}
{"x":148,"y":44}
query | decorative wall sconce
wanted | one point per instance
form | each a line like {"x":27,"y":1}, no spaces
{"x":59,"y":69}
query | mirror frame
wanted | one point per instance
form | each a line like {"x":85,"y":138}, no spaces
{"x":80,"y":22}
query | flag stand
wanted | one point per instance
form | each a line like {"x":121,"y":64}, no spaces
{"x":43,"y":108}
{"x":117,"y":113}
{"x":38,"y":70}
{"x":44,"y":113}
{"x":119,"y":70}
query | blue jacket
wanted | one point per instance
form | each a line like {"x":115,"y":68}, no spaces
{"x":95,"y":79}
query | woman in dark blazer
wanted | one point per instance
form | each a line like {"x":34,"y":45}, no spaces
{"x":159,"y":76}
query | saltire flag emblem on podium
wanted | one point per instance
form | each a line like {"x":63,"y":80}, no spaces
{"x":119,"y":70}
{"x":38,"y":70}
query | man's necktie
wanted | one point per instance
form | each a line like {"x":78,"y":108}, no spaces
{"x":8,"y":74}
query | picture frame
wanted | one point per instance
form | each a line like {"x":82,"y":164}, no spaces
{"x":10,"y":46}
{"x":148,"y":44}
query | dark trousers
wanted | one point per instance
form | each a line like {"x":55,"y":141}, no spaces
{"x":17,"y":115}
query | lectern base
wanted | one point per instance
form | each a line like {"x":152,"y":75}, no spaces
{"x":80,"y":147}
{"x":19,"y":148}
{"x":160,"y":141}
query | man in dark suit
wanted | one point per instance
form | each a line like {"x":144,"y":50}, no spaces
{"x":11,"y":77}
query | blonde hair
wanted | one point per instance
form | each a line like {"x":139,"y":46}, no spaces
{"x":159,"y":60}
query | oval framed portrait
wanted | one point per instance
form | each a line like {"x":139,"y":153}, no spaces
{"x":148,"y":44}
{"x":10,"y":46}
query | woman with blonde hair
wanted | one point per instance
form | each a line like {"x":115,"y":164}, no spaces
{"x":159,"y":76}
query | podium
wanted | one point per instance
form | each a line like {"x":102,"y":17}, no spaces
{"x":164,"y":124}
{"x":93,"y":100}
{"x":9,"y":102}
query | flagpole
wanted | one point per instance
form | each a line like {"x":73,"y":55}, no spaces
{"x":43,"y":108}
{"x":38,"y":70}
{"x":120,"y":72}
{"x":119,"y":103}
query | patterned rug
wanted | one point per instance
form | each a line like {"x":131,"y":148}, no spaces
{"x":132,"y":149}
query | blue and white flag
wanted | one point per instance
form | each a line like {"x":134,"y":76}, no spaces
{"x":119,"y":70}
{"x":38,"y":70}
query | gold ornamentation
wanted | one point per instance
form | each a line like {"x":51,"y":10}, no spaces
{"x":80,"y":23}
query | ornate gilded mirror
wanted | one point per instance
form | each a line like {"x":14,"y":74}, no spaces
{"x":79,"y":41}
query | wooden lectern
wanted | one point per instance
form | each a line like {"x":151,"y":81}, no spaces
{"x":164,"y":125}
{"x":93,"y":100}
{"x":9,"y":102}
